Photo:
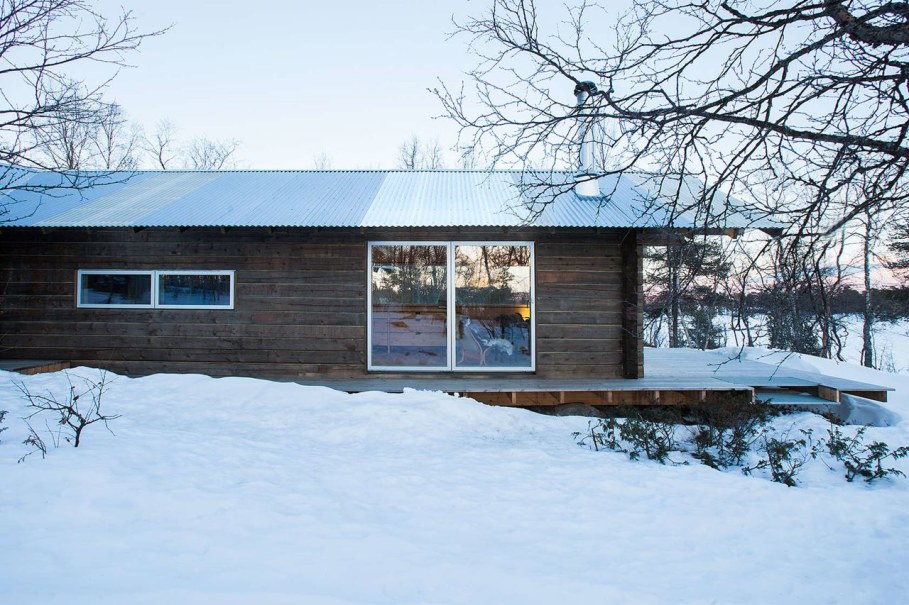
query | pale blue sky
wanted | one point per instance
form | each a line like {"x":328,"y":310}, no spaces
{"x":293,"y":79}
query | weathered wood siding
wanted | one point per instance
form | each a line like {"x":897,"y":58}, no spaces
{"x":300,"y":302}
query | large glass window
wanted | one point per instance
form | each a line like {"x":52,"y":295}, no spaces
{"x":155,"y":289}
{"x":451,"y":306}
{"x":492,"y":304}
{"x":409,"y":306}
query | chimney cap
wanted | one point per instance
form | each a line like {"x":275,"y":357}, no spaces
{"x":586,"y":87}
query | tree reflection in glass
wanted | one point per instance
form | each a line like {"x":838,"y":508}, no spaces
{"x":492,"y":306}
{"x":409,"y":306}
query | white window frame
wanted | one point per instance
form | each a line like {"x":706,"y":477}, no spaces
{"x":531,"y":303}
{"x":84,"y":305}
{"x":154,"y":274}
{"x":450,"y":308}
{"x":159,"y":274}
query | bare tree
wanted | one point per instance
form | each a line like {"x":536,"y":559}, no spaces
{"x":117,"y":142}
{"x":796,"y":286}
{"x":209,"y":154}
{"x":432,"y":155}
{"x":167,"y":151}
{"x":824,"y":269}
{"x":96,"y":136}
{"x":414,"y":154}
{"x":67,"y":144}
{"x":73,"y":412}
{"x":869,"y":236}
{"x":869,"y":229}
{"x":782,"y":104}
{"x":162,"y":145}
{"x":42,"y":45}
{"x":322,"y":161}
{"x":409,"y":153}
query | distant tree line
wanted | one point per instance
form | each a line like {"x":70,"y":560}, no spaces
{"x":788,"y":293}
{"x":105,"y":139}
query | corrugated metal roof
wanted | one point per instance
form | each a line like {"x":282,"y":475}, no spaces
{"x":440,"y":199}
{"x":379,"y":198}
{"x":129,"y":205}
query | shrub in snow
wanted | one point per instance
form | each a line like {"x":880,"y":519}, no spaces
{"x":863,"y":460}
{"x":602,"y":434}
{"x":35,"y":442}
{"x":2,"y":416}
{"x":652,"y":435}
{"x":71,"y":413}
{"x":653,"y":438}
{"x":784,"y":457}
{"x":729,"y":433}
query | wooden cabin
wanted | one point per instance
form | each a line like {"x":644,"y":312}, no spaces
{"x":346,"y":274}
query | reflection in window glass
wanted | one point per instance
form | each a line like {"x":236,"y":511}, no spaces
{"x":492,"y":306}
{"x":181,"y":289}
{"x":409,"y":306}
{"x":115,"y":289}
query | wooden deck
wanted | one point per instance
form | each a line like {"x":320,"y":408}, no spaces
{"x":674,"y":377}
{"x":534,"y":391}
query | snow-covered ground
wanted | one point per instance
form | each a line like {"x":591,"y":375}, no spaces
{"x":230,"y":491}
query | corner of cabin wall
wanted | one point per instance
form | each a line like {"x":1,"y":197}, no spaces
{"x":632,"y":304}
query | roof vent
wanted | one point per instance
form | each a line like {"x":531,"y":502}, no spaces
{"x":585,"y":182}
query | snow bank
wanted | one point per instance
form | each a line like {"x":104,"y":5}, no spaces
{"x":236,"y":490}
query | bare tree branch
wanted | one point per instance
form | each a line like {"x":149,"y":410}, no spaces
{"x":792,"y":106}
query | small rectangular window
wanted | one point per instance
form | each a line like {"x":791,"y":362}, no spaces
{"x":193,"y":290}
{"x":155,"y":289}
{"x":115,"y":289}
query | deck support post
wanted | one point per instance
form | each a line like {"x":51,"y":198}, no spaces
{"x":828,"y":393}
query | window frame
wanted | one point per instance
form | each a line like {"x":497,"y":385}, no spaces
{"x":531,"y":304}
{"x":451,"y":294}
{"x":154,"y":275}
{"x":160,"y":273}
{"x":84,"y":305}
